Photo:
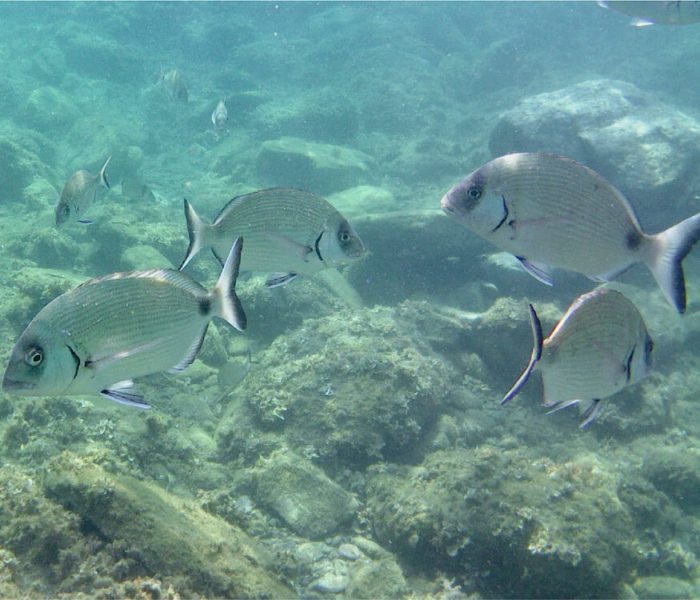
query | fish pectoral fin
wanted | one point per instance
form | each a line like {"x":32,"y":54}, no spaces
{"x":117,"y":393}
{"x":590,"y":413}
{"x":538,"y":271}
{"x":557,"y":406}
{"x":85,"y":221}
{"x":278,"y":279}
{"x":98,"y":363}
{"x":289,"y":245}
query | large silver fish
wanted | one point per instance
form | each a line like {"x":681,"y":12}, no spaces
{"x":78,"y":194}
{"x":98,"y":336}
{"x":549,"y":211}
{"x":288,"y":232}
{"x":598,"y":347}
{"x":649,"y":12}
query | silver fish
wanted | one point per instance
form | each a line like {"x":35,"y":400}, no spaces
{"x":174,"y":83}
{"x":650,"y":12}
{"x":98,"y":336}
{"x":549,"y":211}
{"x":78,"y":194}
{"x":598,"y":347}
{"x":219,"y":116}
{"x":287,"y":232}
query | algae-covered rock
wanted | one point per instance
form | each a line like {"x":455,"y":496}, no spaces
{"x":355,"y":387}
{"x":168,"y":535}
{"x":673,"y":469}
{"x":143,"y":257}
{"x":664,"y":588}
{"x":49,"y":109}
{"x":377,"y":579}
{"x":321,"y":168}
{"x":528,"y":528}
{"x":299,"y":492}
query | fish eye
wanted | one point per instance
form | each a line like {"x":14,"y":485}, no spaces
{"x":344,"y":236}
{"x":474,"y":192}
{"x":34,"y":357}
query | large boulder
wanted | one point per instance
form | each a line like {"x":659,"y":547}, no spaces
{"x":645,"y":147}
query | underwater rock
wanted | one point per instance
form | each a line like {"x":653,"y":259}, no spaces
{"x":673,"y":469}
{"x":643,"y":146}
{"x":49,"y":110}
{"x":520,"y":527}
{"x":307,"y":500}
{"x":319,"y":168}
{"x":377,"y":579}
{"x":351,"y":388}
{"x":39,"y":195}
{"x":664,"y":588}
{"x":21,"y":165}
{"x":96,"y":56}
{"x":363,"y":200}
{"x":141,"y":257}
{"x":49,"y":248}
{"x":170,"y":536}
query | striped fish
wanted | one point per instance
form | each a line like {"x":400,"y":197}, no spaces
{"x":98,"y":336}
{"x":598,"y":347}
{"x":549,"y":211}
{"x":287,"y":232}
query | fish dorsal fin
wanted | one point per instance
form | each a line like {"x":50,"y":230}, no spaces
{"x":535,"y":355}
{"x":191,"y":353}
{"x":538,"y":271}
{"x":170,"y":275}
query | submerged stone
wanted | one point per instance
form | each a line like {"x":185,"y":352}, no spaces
{"x":310,"y":503}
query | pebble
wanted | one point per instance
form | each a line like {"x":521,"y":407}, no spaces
{"x":331,"y":583}
{"x":349,"y":551}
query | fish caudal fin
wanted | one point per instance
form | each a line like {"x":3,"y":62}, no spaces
{"x":229,"y":307}
{"x":196,"y":229}
{"x":668,"y":249}
{"x":103,"y":175}
{"x":536,"y":327}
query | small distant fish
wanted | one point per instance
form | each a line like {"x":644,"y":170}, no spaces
{"x":549,"y":211}
{"x":174,"y":82}
{"x":78,"y":194}
{"x":650,"y":12}
{"x":98,"y":336}
{"x":598,"y":347}
{"x":288,"y":232}
{"x":220,"y":115}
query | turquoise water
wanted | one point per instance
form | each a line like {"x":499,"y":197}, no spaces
{"x":351,"y":443}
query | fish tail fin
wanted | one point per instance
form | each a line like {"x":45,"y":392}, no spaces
{"x":196,"y":229}
{"x":228,"y":306}
{"x":537,"y":340}
{"x":668,"y":249}
{"x":103,"y":175}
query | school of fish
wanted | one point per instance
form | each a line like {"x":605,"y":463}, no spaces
{"x":547,"y":211}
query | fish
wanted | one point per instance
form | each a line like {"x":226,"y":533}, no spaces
{"x":651,"y":12}
{"x":288,"y":232}
{"x":552,"y":212}
{"x":600,"y":346}
{"x":219,"y":116}
{"x":174,"y":82}
{"x":99,"y":336}
{"x":78,"y":194}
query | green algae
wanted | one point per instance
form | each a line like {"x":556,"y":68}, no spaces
{"x":171,"y":536}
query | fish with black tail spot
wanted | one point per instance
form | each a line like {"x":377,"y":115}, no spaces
{"x":550,"y":211}
{"x":96,"y":338}
{"x":598,"y":347}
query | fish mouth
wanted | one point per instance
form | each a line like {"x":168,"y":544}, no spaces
{"x":446,"y":205}
{"x":12,"y":385}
